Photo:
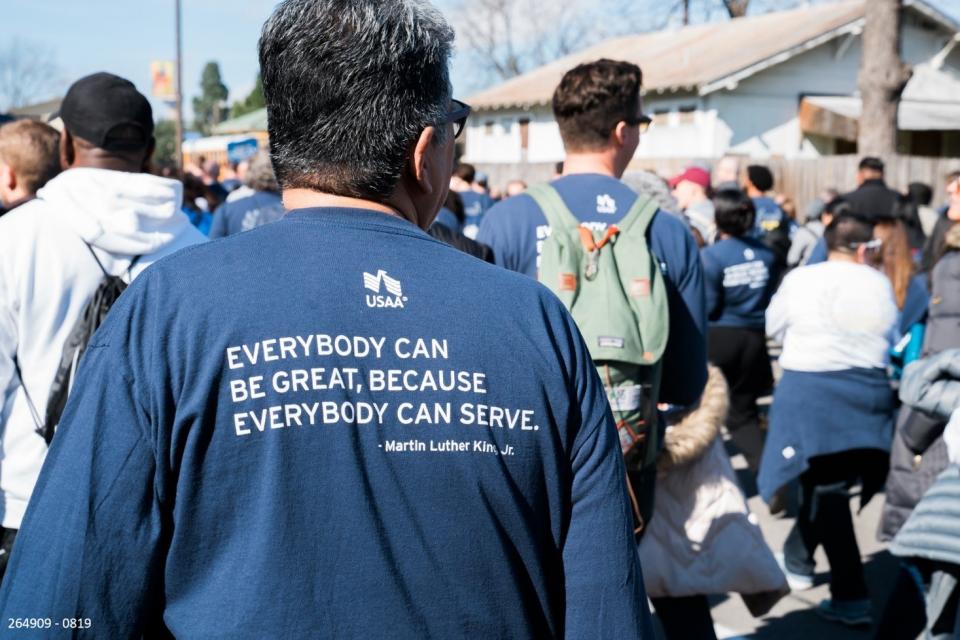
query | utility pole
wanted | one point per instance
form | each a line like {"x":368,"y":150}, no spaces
{"x":179,"y":81}
{"x":686,"y":12}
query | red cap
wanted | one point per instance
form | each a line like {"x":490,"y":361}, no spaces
{"x":695,"y":175}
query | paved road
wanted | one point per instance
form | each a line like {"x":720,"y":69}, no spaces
{"x":793,"y":617}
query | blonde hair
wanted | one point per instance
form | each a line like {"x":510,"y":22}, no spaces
{"x":32,"y":149}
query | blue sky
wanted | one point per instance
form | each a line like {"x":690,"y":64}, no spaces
{"x":123,"y":36}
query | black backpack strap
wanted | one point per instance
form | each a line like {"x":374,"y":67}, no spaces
{"x":106,"y":273}
{"x":26,"y":394}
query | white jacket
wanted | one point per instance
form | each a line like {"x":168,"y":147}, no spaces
{"x":702,"y":539}
{"x":47,"y":275}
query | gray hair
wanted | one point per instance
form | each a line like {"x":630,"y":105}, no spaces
{"x":260,"y":175}
{"x":349,"y":86}
{"x":650,"y":184}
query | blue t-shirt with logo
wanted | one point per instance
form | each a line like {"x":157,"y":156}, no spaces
{"x":740,"y":277}
{"x":345,"y":429}
{"x":475,"y":205}
{"x":516,"y":228}
{"x":246,"y":213}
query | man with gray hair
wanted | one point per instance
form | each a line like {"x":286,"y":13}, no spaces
{"x":260,"y":207}
{"x":309,"y":441}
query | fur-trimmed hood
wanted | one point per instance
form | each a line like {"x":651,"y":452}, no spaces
{"x":952,"y":239}
{"x":688,"y":439}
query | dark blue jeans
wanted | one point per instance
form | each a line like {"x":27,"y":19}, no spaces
{"x":824,"y":518}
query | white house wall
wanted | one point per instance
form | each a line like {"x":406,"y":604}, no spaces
{"x":757,"y":117}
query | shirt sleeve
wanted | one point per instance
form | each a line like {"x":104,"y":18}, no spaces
{"x":713,"y":285}
{"x":90,"y":546}
{"x":685,"y":359}
{"x":605,"y":595}
{"x":500,"y":231}
{"x":777,"y":319}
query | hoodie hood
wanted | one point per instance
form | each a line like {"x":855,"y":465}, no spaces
{"x":952,"y":239}
{"x":119,"y":212}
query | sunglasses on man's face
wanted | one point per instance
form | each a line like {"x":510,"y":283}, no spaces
{"x":642,"y":121}
{"x":459,"y":115}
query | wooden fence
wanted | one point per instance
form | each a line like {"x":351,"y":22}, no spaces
{"x":800,"y":179}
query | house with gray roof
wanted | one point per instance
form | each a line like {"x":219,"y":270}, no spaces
{"x":777,"y":85}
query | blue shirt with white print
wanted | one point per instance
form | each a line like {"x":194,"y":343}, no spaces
{"x":740,"y":276}
{"x":345,"y":429}
{"x":516,"y":228}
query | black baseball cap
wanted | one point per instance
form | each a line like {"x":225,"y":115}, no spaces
{"x":108,"y":111}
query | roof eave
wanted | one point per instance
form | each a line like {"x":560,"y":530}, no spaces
{"x":731,"y":80}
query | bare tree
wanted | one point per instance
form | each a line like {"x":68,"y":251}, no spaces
{"x":510,"y":37}
{"x":883,"y":76}
{"x":736,"y":8}
{"x":28,"y":72}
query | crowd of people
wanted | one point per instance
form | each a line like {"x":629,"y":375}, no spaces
{"x":357,"y":413}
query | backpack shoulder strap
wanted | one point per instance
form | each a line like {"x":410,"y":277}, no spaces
{"x":639,"y":215}
{"x":106,"y":273}
{"x":555,"y":210}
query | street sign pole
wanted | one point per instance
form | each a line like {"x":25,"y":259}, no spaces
{"x":179,"y":109}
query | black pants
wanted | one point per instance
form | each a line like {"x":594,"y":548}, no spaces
{"x":686,"y":618}
{"x":825,"y":518}
{"x":742,"y":356}
{"x":7,"y":536}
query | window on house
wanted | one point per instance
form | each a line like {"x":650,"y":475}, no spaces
{"x":488,"y":127}
{"x":661,"y":117}
{"x":524,"y":133}
{"x":687,"y":113}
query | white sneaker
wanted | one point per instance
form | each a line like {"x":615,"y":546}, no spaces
{"x":796,"y":581}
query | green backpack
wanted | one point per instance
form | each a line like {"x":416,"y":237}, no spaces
{"x":613,"y":287}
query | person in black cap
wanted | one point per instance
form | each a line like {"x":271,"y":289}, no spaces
{"x":95,"y":217}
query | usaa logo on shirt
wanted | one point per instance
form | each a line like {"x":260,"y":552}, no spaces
{"x":606,"y":204}
{"x":393,"y":298}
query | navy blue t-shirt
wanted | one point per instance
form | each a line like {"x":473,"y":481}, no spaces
{"x":246,"y":213}
{"x":344,"y":429}
{"x":740,"y":278}
{"x":516,"y":228}
{"x":475,"y":205}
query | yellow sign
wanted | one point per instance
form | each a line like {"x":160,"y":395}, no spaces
{"x":162,"y":74}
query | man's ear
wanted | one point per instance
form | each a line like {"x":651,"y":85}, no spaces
{"x":67,"y":152}
{"x":420,"y":161}
{"x":8,"y":178}
{"x":619,"y":134}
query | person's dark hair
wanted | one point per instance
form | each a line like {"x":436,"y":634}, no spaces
{"x":734,"y":212}
{"x":871,"y":164}
{"x":760,"y":176}
{"x":847,"y":232}
{"x":838,"y":207}
{"x":592,"y":99}
{"x":349,"y":87}
{"x":193,"y":188}
{"x":455,"y":204}
{"x":33,"y":150}
{"x":953,"y":175}
{"x":920,"y":194}
{"x":466,"y":172}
